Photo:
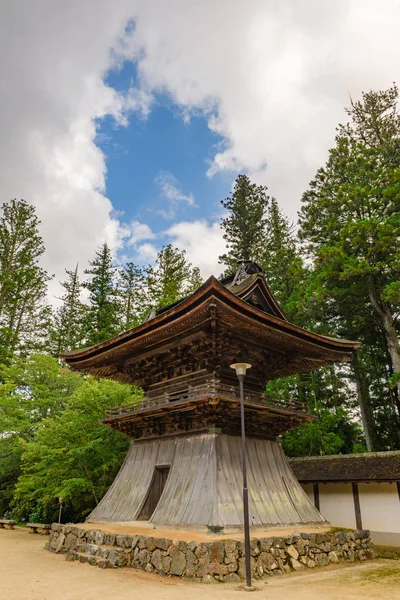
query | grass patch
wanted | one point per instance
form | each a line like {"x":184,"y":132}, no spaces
{"x":389,"y":574}
{"x":391,"y":552}
{"x":337,"y":529}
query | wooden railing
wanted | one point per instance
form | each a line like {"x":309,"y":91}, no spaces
{"x":211,"y":389}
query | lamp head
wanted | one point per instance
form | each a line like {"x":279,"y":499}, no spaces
{"x":241,"y":368}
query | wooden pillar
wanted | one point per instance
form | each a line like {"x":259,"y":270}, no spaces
{"x":316,"y":496}
{"x":357,"y":508}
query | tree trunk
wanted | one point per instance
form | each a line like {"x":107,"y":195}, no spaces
{"x":364,"y":401}
{"x":386,"y":321}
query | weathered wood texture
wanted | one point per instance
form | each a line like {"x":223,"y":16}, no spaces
{"x":204,"y":485}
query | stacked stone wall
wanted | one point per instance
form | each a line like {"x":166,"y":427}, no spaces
{"x":209,"y":562}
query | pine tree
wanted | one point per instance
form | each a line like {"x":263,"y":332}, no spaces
{"x":24,"y":314}
{"x":102,"y":318}
{"x":281,"y":260}
{"x":172,"y":277}
{"x":244,"y":227}
{"x":350,"y":223}
{"x":69,"y":323}
{"x":131,"y":281}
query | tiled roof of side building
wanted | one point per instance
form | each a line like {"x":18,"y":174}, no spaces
{"x":373,"y":466}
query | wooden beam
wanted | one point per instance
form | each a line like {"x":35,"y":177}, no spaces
{"x":357,"y":507}
{"x":316,"y":496}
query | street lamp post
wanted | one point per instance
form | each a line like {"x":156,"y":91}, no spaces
{"x":240,"y":369}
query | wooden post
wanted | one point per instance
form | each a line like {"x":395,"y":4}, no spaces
{"x":398,"y":488}
{"x":357,"y":508}
{"x":316,"y":496}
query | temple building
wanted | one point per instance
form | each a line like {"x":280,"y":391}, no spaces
{"x":184,"y":465}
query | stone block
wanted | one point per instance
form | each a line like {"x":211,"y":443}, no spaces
{"x":232,"y":578}
{"x":166,"y":564}
{"x":300,"y":547}
{"x":99,"y":538}
{"x":150,"y":544}
{"x":162,"y":543}
{"x":296,"y":565}
{"x":265,"y":544}
{"x":141,"y":542}
{"x":310,"y":563}
{"x":191,"y":569}
{"x":233,"y":566}
{"x":242,"y":566}
{"x":212,"y":569}
{"x":70,"y":542}
{"x":178,"y":563}
{"x":321,"y":560}
{"x":217,"y":552}
{"x":201,"y":550}
{"x":267,"y":561}
{"x":292,"y":552}
{"x":230,"y":546}
{"x":333,"y":557}
{"x":109,"y":539}
{"x":254,"y":548}
{"x":156,"y":559}
{"x":191,"y":557}
{"x":143,"y":557}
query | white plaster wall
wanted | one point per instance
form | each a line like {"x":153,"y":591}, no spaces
{"x":336,"y":504}
{"x":309,"y":490}
{"x":380,"y":506}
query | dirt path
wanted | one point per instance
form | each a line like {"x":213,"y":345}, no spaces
{"x":30,"y":572}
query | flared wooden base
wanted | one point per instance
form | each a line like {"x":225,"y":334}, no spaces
{"x":196,"y":481}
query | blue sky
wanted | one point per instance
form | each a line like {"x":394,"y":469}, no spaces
{"x":153,"y":159}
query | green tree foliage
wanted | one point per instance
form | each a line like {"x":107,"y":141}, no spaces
{"x":32,"y":390}
{"x":69,"y":321}
{"x":24,"y":315}
{"x":131,"y":292}
{"x":350,"y":227}
{"x":72,"y":455}
{"x":281,"y":260}
{"x":172,"y":278}
{"x":350,"y":219}
{"x":244,"y":226}
{"x":102,"y":318}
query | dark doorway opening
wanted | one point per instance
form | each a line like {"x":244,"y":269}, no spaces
{"x":156,"y":488}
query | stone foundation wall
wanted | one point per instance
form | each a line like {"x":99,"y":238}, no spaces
{"x":212,"y":561}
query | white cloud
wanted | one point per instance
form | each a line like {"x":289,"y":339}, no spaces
{"x":146,"y":253}
{"x":139,"y":232}
{"x":169,"y":186}
{"x":203,"y":243}
{"x":54,"y":57}
{"x":270,"y":77}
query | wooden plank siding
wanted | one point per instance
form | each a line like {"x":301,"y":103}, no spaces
{"x":204,"y":486}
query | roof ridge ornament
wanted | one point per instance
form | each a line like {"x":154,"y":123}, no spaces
{"x":246,"y":268}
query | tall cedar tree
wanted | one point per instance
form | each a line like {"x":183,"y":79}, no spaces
{"x":244,"y":227}
{"x":131,"y":282}
{"x":350,"y":219}
{"x":24,"y":315}
{"x":102,"y":319}
{"x":68,"y":331}
{"x":280,"y":258}
{"x":172,"y":277}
